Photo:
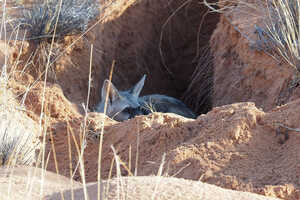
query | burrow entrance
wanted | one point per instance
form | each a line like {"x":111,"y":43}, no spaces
{"x":168,"y":41}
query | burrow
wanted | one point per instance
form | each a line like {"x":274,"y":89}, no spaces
{"x":166,"y":40}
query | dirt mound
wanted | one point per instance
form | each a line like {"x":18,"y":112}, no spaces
{"x":234,"y":146}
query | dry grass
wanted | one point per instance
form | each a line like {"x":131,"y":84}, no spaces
{"x":43,"y":21}
{"x":16,"y":139}
{"x":15,"y":148}
{"x":282,"y":32}
{"x":278,"y":32}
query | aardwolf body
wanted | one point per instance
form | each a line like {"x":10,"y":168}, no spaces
{"x":123,"y":105}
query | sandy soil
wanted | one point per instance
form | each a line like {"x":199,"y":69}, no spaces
{"x":241,"y":144}
{"x":130,"y":187}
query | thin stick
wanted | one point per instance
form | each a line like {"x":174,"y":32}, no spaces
{"x":70,"y":164}
{"x":160,"y":170}
{"x":55,"y":161}
{"x":129,"y":162}
{"x":83,"y":139}
{"x":102,"y":132}
{"x":161,"y":35}
{"x":43,"y":101}
{"x":109,"y":177}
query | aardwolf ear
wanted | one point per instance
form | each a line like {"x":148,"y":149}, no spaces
{"x":113,"y":93}
{"x":136,"y":90}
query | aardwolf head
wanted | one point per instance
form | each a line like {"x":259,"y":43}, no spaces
{"x":120,"y":104}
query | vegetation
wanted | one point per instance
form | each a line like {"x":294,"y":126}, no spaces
{"x":16,"y":148}
{"x":282,"y":31}
{"x":54,"y":18}
{"x":278,"y":32}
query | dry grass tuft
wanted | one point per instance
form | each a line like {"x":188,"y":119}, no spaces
{"x":282,"y":32}
{"x":38,"y":21}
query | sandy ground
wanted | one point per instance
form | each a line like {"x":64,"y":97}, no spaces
{"x":242,"y":144}
{"x":56,"y":187}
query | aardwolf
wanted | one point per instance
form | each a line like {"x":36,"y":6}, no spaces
{"x":123,"y":105}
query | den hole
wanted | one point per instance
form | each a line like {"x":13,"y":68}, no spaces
{"x":167,"y":42}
